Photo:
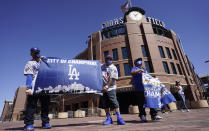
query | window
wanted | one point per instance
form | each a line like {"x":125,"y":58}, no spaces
{"x":159,"y":30}
{"x":121,"y":30}
{"x":165,"y":65}
{"x":124,"y":52}
{"x":187,"y":69}
{"x":118,"y":68}
{"x":173,"y":68}
{"x":155,"y":30}
{"x":148,"y":66}
{"x":127,"y":69}
{"x":94,"y":52}
{"x":174,"y":54}
{"x":115,"y":54}
{"x":144,"y":51}
{"x":168,"y":52}
{"x":161,"y":51}
{"x":179,"y":69}
{"x":113,"y":31}
{"x":106,"y":53}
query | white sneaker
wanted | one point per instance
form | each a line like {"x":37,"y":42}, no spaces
{"x":155,"y":118}
{"x":188,"y":110}
{"x":165,"y":112}
{"x":182,"y":110}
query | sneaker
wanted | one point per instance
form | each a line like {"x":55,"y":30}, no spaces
{"x":29,"y":128}
{"x":143,"y":118}
{"x":108,"y":121}
{"x":120,"y":121}
{"x":156,"y":118}
{"x":164,"y":112}
{"x":188,"y":110}
{"x":182,"y":110}
{"x":46,"y":126}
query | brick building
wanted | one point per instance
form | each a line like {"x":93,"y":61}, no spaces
{"x":136,"y":36}
{"x":7,"y":110}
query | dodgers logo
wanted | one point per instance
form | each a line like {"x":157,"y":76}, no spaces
{"x":73,"y":73}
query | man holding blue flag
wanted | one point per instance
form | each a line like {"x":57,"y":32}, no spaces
{"x":139,"y":91}
{"x":31,"y":72}
{"x":110,"y":74}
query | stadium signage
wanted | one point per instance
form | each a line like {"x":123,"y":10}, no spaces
{"x":113,"y":22}
{"x":155,"y":21}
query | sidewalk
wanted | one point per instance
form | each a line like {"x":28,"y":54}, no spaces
{"x":195,"y":120}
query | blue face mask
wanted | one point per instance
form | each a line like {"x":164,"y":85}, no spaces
{"x":108,"y":62}
{"x":37,"y":55}
{"x":139,"y":62}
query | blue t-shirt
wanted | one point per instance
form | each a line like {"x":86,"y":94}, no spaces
{"x":137,"y":79}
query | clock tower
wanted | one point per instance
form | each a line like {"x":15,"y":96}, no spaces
{"x":134,"y":18}
{"x":135,"y":14}
{"x":137,"y":26}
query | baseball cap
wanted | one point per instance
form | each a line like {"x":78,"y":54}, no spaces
{"x":34,"y":49}
{"x":108,"y":57}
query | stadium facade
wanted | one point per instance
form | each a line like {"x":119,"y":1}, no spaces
{"x":126,"y":39}
{"x":134,"y":36}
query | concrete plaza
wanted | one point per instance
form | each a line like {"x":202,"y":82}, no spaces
{"x":195,"y":120}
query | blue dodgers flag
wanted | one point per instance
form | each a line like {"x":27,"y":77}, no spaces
{"x":156,"y":94}
{"x":68,"y":76}
{"x":166,"y":96}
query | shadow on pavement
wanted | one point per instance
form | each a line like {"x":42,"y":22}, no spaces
{"x":138,"y":121}
{"x":67,"y":125}
{"x":13,"y":129}
{"x":77,"y":124}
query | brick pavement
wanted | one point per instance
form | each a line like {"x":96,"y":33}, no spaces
{"x":196,"y":120}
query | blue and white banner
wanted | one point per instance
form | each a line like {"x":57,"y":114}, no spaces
{"x":156,"y":94}
{"x":68,"y":76}
{"x":166,"y":96}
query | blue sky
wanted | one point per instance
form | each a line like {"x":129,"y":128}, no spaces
{"x":61,"y":27}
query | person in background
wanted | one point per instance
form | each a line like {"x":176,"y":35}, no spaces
{"x":31,"y":71}
{"x":139,"y":91}
{"x":163,"y":109}
{"x":110,"y":74}
{"x":181,"y":96}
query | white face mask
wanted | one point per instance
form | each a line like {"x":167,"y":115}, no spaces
{"x":139,"y":62}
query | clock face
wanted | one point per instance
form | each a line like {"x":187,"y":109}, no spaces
{"x":135,"y":15}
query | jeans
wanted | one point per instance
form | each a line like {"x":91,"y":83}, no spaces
{"x":141,"y":101}
{"x":183,"y":102}
{"x":31,"y":108}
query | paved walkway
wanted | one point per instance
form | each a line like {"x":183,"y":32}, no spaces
{"x":196,"y":120}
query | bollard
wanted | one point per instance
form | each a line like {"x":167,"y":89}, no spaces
{"x":63,"y":115}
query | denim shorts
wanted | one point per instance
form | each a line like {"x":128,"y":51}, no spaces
{"x":110,"y":99}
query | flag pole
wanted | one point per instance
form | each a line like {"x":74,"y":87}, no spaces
{"x":206,"y":61}
{"x":130,"y":3}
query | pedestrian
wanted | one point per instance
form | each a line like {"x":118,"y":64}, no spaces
{"x":31,"y":71}
{"x":139,"y":91}
{"x":163,"y":109}
{"x":110,"y":74}
{"x":181,"y":96}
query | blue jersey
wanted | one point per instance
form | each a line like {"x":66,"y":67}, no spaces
{"x":137,"y":79}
